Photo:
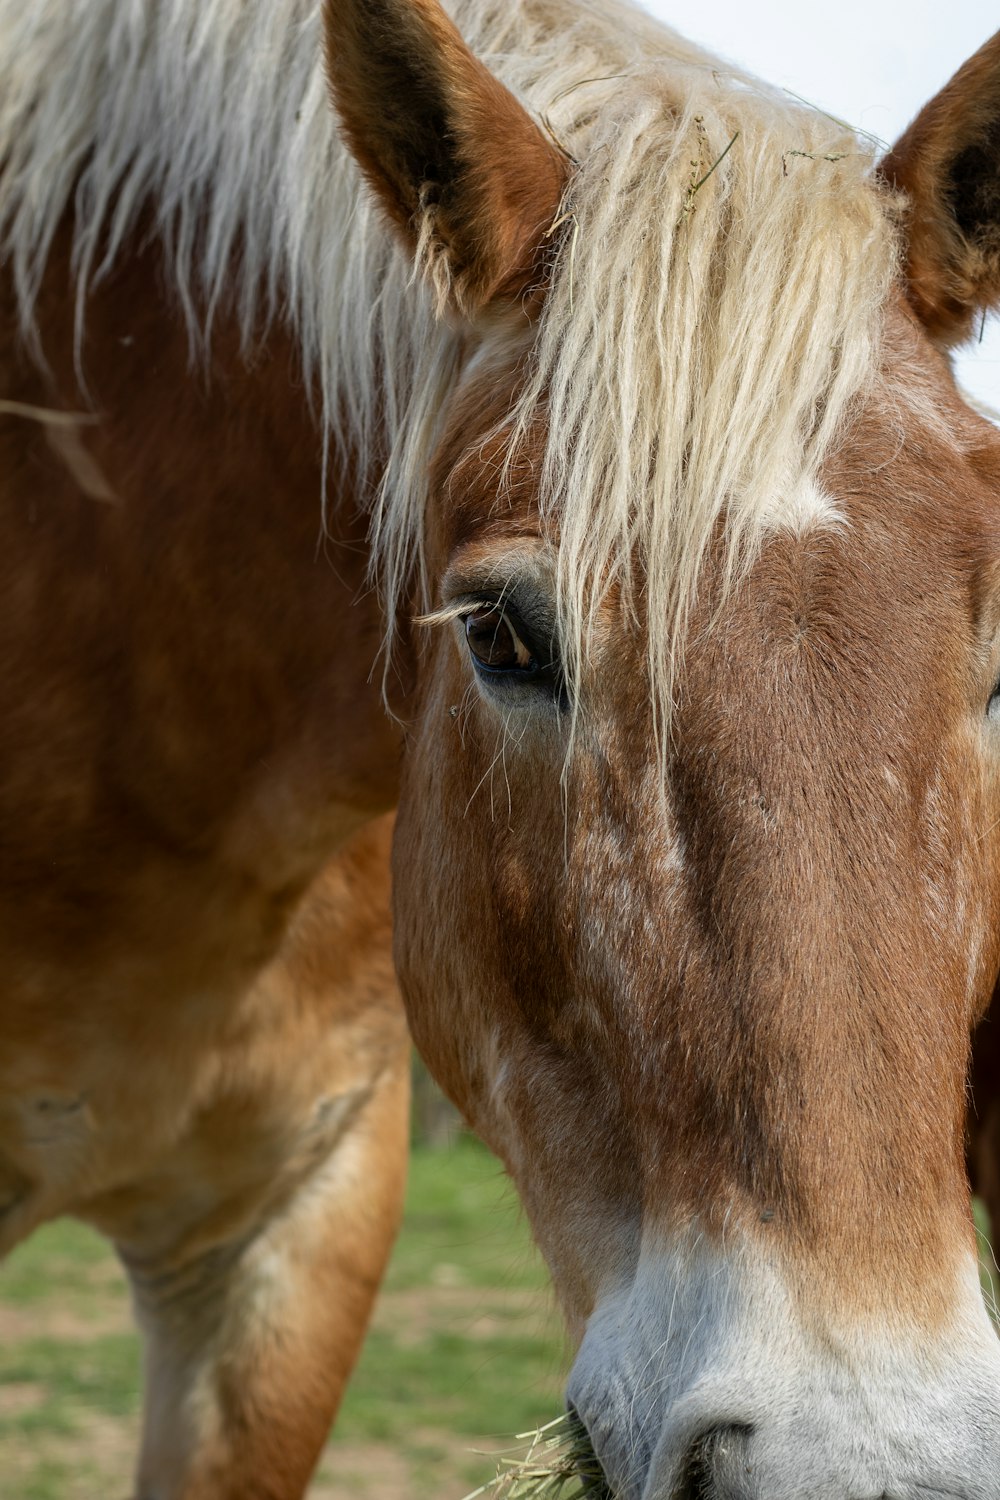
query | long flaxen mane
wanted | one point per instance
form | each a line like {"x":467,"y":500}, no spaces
{"x":719,"y":272}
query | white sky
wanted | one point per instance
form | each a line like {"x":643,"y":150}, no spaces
{"x":872,"y":62}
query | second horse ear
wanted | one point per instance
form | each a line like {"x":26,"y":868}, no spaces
{"x":948,"y":165}
{"x":466,"y":175}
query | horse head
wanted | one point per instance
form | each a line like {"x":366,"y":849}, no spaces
{"x":697,"y":867}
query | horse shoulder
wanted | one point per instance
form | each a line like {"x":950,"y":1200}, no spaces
{"x":189,"y":729}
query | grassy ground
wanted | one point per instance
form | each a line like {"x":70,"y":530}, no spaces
{"x":465,"y":1349}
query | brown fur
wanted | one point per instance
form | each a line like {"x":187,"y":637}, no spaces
{"x":197,"y":992}
{"x":797,"y":784}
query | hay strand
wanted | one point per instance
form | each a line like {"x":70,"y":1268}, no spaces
{"x":559,"y":1465}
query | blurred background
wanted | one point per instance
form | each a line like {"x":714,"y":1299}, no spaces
{"x":465,"y":1350}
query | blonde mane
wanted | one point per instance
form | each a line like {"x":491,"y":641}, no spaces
{"x":715,"y":306}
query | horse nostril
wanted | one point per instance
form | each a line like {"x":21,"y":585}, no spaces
{"x":700,"y":1476}
{"x":581,"y":1462}
{"x":695,"y":1479}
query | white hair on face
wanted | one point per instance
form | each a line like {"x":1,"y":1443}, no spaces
{"x":712,"y":322}
{"x":715,"y":303}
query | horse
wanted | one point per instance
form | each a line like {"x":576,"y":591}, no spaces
{"x":515,"y":416}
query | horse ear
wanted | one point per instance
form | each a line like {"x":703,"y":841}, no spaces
{"x":464,"y":172}
{"x":948,"y":165}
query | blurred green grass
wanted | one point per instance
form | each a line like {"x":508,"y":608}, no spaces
{"x":465,"y":1348}
{"x":465,"y":1351}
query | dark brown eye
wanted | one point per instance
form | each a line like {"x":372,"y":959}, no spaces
{"x":495,"y":643}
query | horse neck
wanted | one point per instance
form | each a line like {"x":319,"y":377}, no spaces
{"x":196,"y":489}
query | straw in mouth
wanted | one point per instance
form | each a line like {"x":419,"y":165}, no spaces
{"x":560,"y":1464}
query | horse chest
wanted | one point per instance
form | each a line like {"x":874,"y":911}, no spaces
{"x":187,"y":726}
{"x":88,"y":1100}
{"x":174,"y":771}
{"x":151,"y":1120}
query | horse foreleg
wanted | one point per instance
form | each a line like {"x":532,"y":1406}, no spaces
{"x":249,"y":1346}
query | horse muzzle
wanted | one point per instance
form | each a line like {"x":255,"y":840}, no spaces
{"x":706,"y":1378}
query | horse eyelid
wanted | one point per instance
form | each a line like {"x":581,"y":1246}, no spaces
{"x":504,"y":600}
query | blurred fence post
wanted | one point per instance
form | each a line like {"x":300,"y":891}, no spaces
{"x":436,"y":1121}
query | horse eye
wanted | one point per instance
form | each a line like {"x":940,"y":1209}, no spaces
{"x":495,"y":643}
{"x":993,"y":707}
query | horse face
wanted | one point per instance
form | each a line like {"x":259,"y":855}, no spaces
{"x":705,"y":979}
{"x":717,"y":1026}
